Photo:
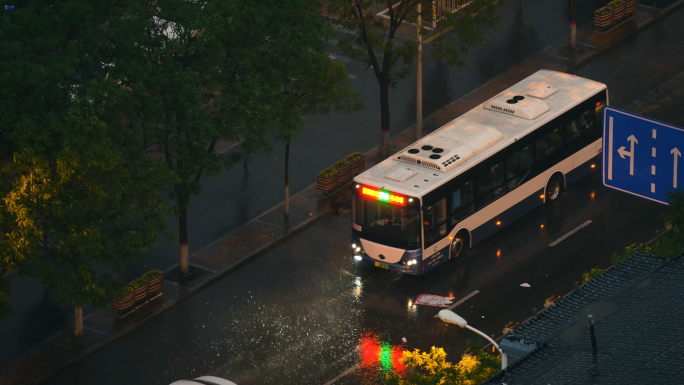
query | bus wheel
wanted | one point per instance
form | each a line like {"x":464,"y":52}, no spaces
{"x":553,"y":189}
{"x":456,"y":247}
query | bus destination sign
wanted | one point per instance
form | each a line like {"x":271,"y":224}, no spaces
{"x":384,"y":196}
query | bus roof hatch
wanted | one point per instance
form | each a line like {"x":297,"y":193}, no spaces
{"x":517,"y":105}
{"x":454,"y":144}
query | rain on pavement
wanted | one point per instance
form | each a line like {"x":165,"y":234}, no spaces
{"x":303,"y":312}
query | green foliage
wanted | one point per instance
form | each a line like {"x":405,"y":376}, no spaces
{"x":371,"y":39}
{"x":79,"y":194}
{"x":152,"y":274}
{"x":138,"y":282}
{"x":629,"y":250}
{"x":121,"y":294}
{"x":327,"y":173}
{"x":354,"y":157}
{"x":341,"y":164}
{"x":430,"y":368}
{"x":616,"y":4}
{"x":604,"y":11}
{"x":373,"y":35}
{"x":670,"y":244}
{"x":591,"y":274}
{"x":550,"y":299}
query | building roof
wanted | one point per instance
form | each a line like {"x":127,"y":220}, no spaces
{"x":480,"y":132}
{"x":638,"y":310}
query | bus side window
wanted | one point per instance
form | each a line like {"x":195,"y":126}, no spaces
{"x":489,"y":185}
{"x":549,"y":144}
{"x":517,"y":166}
{"x":573,"y":130}
{"x":462,"y":203}
{"x":434,"y":220}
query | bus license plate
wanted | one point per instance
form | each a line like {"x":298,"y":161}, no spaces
{"x":383,"y":265}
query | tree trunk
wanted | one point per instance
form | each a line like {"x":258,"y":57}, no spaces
{"x":183,"y":238}
{"x":287,"y":179}
{"x":78,"y":321}
{"x":384,"y":120}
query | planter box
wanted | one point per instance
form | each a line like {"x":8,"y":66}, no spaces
{"x":326,"y":183}
{"x":140,"y":293}
{"x":343,"y":174}
{"x":123,"y":304}
{"x":358,"y":165}
{"x":619,"y":12}
{"x":155,"y":284}
{"x":604,"y":21}
{"x":631,"y":6}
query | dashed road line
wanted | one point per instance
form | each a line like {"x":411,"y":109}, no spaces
{"x":561,"y":239}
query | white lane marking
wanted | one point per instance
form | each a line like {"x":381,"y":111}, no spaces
{"x":351,"y":76}
{"x":467,"y":297}
{"x":561,"y":239}
{"x":353,"y":368}
{"x":610,"y":148}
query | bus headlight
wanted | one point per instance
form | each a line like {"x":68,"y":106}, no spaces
{"x":357,"y":257}
{"x":411,"y":262}
{"x":358,"y":249}
{"x":353,"y":245}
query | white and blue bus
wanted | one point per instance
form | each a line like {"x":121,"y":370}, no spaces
{"x":478,"y":173}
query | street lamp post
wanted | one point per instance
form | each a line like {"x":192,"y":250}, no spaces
{"x":449,"y":316}
{"x":419,"y":80}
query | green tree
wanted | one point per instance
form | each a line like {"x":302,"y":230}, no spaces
{"x":79,"y":194}
{"x":372,"y":39}
{"x":670,"y":243}
{"x":221,"y":71}
{"x":313,"y":83}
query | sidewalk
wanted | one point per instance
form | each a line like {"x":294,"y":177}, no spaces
{"x":269,"y":229}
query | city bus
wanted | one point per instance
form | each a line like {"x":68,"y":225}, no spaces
{"x":478,"y":173}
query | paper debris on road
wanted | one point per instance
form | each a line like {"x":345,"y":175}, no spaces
{"x":403,"y":339}
{"x":525,"y":285}
{"x":434,"y":300}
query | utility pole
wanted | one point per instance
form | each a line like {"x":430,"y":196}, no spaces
{"x":573,"y":27}
{"x":419,"y":81}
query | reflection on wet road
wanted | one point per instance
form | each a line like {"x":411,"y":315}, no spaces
{"x":303,"y":313}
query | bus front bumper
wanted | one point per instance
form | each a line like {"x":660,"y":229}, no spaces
{"x":401,"y":266}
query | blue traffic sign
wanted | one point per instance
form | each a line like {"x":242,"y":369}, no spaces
{"x":640,"y":155}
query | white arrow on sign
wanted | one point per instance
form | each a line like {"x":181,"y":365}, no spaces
{"x":629,"y":153}
{"x":676,"y":153}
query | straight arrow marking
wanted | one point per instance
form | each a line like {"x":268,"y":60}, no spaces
{"x":676,"y":153}
{"x":632,"y":140}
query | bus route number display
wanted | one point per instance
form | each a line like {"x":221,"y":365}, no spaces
{"x":384,"y":196}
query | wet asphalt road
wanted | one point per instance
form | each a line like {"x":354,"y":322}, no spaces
{"x":303,"y":313}
{"x":246,"y":191}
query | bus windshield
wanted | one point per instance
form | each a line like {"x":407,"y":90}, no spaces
{"x":386,"y":223}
